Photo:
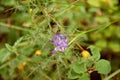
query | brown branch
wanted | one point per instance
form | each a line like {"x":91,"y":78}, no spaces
{"x":80,"y":47}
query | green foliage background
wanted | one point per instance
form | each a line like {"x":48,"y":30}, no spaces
{"x":28,"y":25}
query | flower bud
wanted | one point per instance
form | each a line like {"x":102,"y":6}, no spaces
{"x":85,"y":54}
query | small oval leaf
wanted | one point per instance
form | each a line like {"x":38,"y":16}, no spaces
{"x":78,"y":67}
{"x":103,"y":66}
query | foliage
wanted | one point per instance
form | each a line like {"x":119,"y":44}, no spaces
{"x":27,"y":28}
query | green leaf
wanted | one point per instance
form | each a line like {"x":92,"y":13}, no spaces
{"x":21,"y":58}
{"x":110,"y":31}
{"x":8,"y":2}
{"x":21,"y":17}
{"x":89,"y":62}
{"x":103,"y":66}
{"x":10,"y":48}
{"x":102,"y":19}
{"x":4,"y":54}
{"x":95,"y":3}
{"x":95,"y":52}
{"x":84,"y":76}
{"x":114,"y":46}
{"x":117,"y":32}
{"x":101,"y":44}
{"x":18,"y":41}
{"x":72,"y":75}
{"x":78,"y":67}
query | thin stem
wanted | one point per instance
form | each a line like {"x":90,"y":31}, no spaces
{"x":80,"y":35}
{"x":33,"y":71}
{"x":98,"y":29}
{"x":14,"y":27}
{"x":112,"y":75}
{"x":68,"y":8}
{"x":44,"y":75}
{"x":61,"y":60}
{"x":58,"y":68}
{"x":41,"y":73}
{"x":4,"y":65}
{"x":80,"y":47}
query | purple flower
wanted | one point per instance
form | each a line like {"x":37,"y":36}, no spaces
{"x":60,"y":42}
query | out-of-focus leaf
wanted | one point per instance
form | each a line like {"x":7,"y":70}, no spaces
{"x":101,"y":19}
{"x":101,"y":43}
{"x":95,"y":3}
{"x":8,"y":47}
{"x":106,"y":3}
{"x":8,"y":2}
{"x":118,"y":32}
{"x":18,"y":41}
{"x":96,"y":36}
{"x":11,"y":48}
{"x":101,"y":3}
{"x":22,"y":58}
{"x":26,"y":50}
{"x":115,"y":46}
{"x":21,"y":17}
{"x":109,"y":32}
{"x":4,"y":55}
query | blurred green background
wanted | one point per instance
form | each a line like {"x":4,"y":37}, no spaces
{"x":38,"y":20}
